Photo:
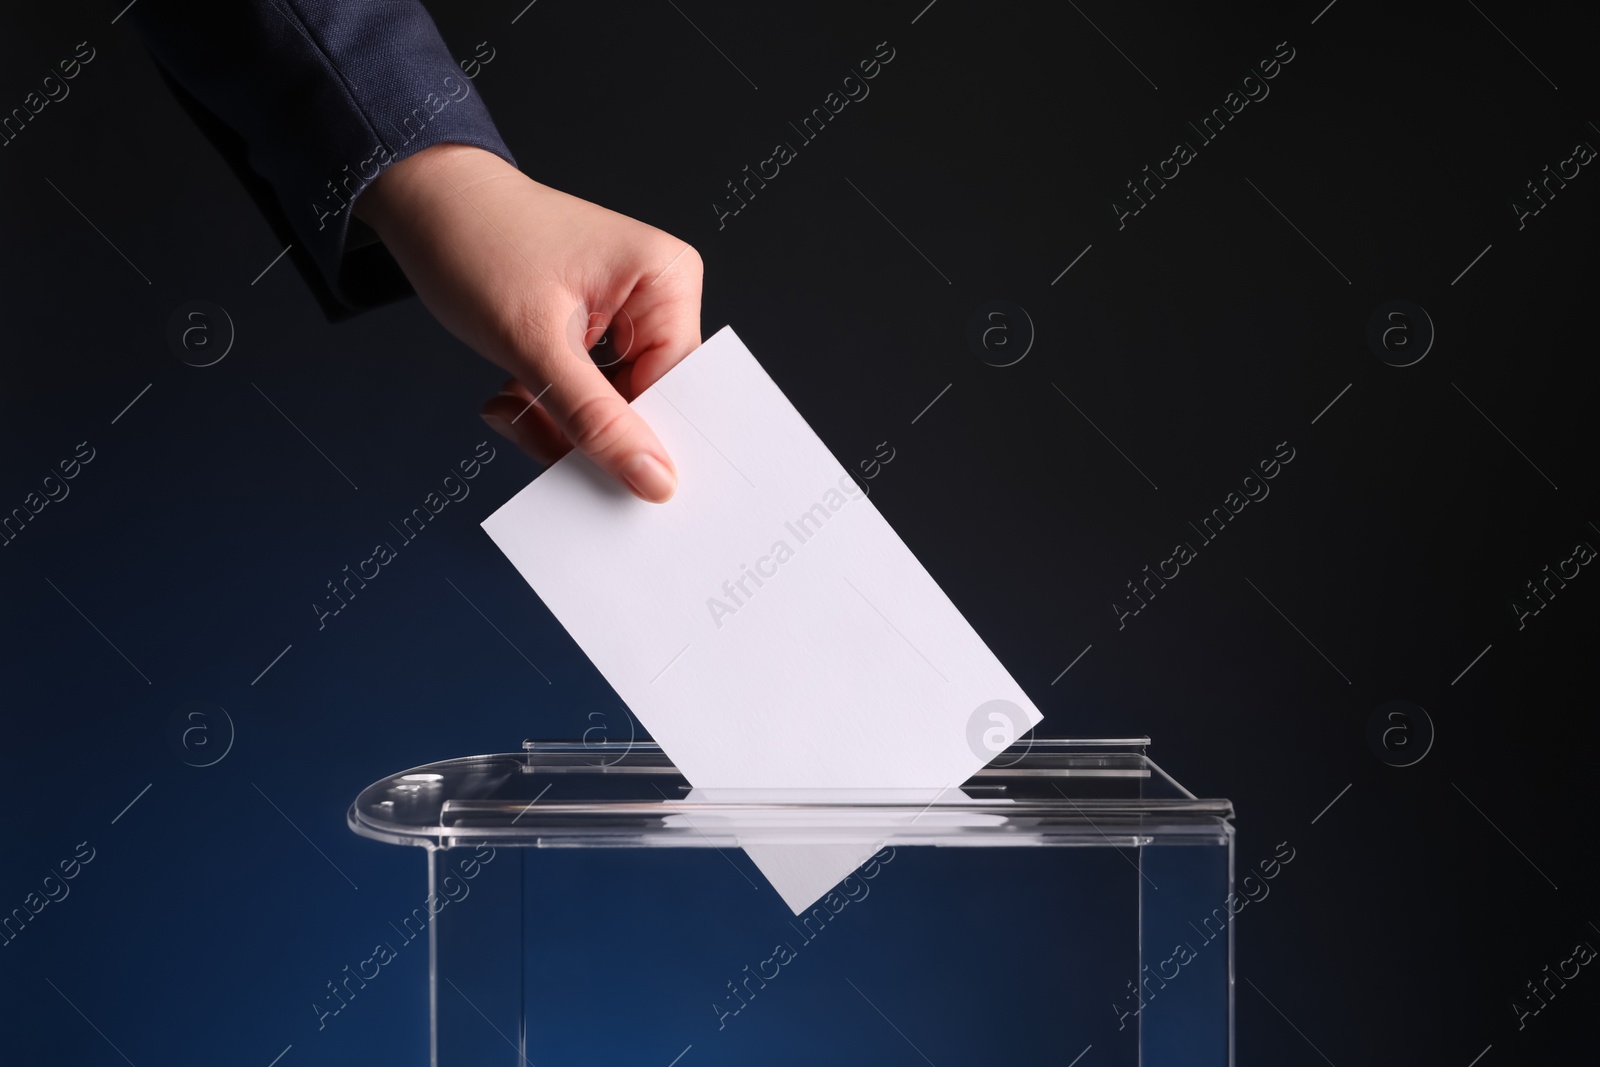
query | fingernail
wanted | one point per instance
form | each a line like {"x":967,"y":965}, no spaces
{"x":649,"y":478}
{"x":498,"y":424}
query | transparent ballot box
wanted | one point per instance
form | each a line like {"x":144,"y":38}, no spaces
{"x":584,"y":906}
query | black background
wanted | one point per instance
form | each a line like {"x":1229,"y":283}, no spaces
{"x":1197,"y":337}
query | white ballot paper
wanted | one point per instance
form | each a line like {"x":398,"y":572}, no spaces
{"x":766,"y":624}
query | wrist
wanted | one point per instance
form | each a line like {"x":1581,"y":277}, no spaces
{"x":406,"y":185}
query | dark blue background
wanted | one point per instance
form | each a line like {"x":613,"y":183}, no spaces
{"x":1196,"y":338}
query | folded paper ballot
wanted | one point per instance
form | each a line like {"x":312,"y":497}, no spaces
{"x":766,"y":624}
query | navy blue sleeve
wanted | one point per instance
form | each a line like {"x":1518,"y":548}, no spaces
{"x":309,"y":101}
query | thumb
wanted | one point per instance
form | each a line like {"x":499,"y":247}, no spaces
{"x":587,"y":408}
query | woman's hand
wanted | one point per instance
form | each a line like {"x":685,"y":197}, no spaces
{"x":533,"y":279}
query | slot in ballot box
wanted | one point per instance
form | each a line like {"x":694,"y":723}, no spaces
{"x":585,"y":907}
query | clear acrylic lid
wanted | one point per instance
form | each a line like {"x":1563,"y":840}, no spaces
{"x":574,"y":794}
